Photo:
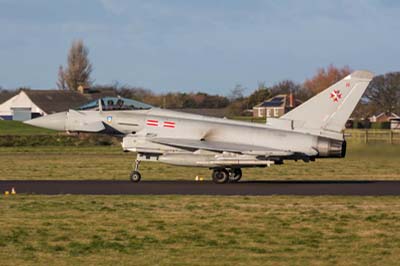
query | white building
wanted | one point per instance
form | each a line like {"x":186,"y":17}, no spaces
{"x":20,"y":107}
{"x":29,"y":104}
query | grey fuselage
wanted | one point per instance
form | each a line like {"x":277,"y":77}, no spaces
{"x":190,"y":126}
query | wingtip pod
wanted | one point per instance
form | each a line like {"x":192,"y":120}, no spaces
{"x":361,"y":74}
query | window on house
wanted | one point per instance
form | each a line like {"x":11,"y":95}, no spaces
{"x":268,"y":112}
{"x":276,"y":112}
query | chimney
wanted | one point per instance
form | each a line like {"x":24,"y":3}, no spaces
{"x":291,"y":100}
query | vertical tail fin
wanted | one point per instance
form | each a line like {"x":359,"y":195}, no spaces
{"x":330,"y":109}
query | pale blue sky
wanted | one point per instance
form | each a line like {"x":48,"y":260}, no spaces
{"x":207,"y":45}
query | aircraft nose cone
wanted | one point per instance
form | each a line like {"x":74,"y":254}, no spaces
{"x":53,"y":121}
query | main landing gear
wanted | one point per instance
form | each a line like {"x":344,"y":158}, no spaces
{"x":135,"y":175}
{"x":221,"y":175}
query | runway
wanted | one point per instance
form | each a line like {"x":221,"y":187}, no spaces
{"x":97,"y":187}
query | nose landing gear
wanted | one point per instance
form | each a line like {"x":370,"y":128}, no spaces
{"x":135,"y":175}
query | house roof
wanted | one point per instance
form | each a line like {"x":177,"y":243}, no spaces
{"x":280,"y":100}
{"x":276,"y":101}
{"x":6,"y":96}
{"x":53,"y":101}
{"x":386,"y":114}
{"x":94,"y":94}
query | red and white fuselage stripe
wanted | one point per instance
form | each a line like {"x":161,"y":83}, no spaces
{"x":169,"y":124}
{"x":156,"y":123}
{"x":151,"y":122}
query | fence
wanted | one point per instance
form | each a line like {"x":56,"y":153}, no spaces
{"x":372,"y":136}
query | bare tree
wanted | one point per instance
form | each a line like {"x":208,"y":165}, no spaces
{"x":79,"y":67}
{"x":285,"y":87}
{"x":236,"y":93}
{"x":384,"y":92}
{"x":61,"y":82}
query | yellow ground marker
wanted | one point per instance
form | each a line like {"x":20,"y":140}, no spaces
{"x":6,"y":193}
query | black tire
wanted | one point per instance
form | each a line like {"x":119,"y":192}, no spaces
{"x":235,"y":175}
{"x":220,"y":176}
{"x":135,"y":176}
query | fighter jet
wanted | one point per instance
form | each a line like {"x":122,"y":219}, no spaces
{"x":312,"y":130}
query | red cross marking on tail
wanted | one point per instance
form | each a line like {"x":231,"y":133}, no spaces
{"x":336,"y":95}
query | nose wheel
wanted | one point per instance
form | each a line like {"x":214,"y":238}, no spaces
{"x":135,"y":175}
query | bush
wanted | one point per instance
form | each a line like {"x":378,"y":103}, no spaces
{"x":357,"y":124}
{"x":380,"y":125}
{"x":57,"y":140}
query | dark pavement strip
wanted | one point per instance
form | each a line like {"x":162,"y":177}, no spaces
{"x":112,"y":187}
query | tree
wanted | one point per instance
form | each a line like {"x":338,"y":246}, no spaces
{"x":285,"y":87}
{"x":261,"y":94}
{"x":236,"y":93}
{"x":61,"y":82}
{"x":383,"y":92}
{"x":79,"y":67}
{"x":363,"y":110}
{"x":325,"y":78}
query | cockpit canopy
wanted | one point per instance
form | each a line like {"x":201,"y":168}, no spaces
{"x":115,"y":104}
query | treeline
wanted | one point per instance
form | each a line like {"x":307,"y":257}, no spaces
{"x":235,"y":102}
{"x":176,"y":100}
{"x":382,"y":95}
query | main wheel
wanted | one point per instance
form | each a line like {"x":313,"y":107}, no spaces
{"x":235,"y":174}
{"x":135,"y":176}
{"x":220,"y":176}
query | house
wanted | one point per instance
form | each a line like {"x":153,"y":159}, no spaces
{"x":383,"y":117}
{"x":29,"y":104}
{"x":395,"y":123}
{"x":391,"y":117}
{"x":276,"y":106}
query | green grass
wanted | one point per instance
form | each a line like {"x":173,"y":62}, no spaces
{"x":249,"y":119}
{"x":373,"y":162}
{"x":19,"y":128}
{"x":196,"y":230}
{"x":199,"y":230}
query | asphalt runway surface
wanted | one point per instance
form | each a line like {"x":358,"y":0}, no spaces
{"x":97,"y":187}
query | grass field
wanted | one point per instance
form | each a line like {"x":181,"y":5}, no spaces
{"x":380,"y":162}
{"x":199,"y":230}
{"x":196,"y":230}
{"x":19,"y":128}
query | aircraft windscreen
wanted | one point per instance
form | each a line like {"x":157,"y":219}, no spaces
{"x":115,"y":103}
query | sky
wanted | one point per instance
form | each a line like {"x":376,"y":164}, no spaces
{"x":189,"y":46}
